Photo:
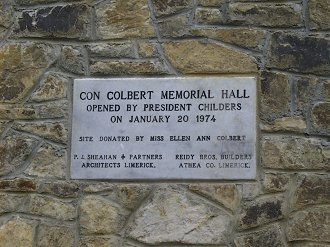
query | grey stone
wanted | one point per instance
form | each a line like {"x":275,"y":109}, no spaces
{"x":14,"y":151}
{"x":174,"y":216}
{"x":321,"y":116}
{"x":112,"y":50}
{"x":68,"y":21}
{"x":177,"y":26}
{"x":100,"y":216}
{"x":148,"y":50}
{"x":276,"y":182}
{"x":269,"y":236}
{"x":284,"y":152}
{"x":312,"y":224}
{"x":55,"y":131}
{"x":48,"y":162}
{"x":50,"y":207}
{"x":167,"y":7}
{"x":10,"y":202}
{"x":211,"y":3}
{"x":55,"y":236}
{"x":209,"y":16}
{"x":319,"y":14}
{"x":266,"y":14}
{"x":303,"y":54}
{"x":310,"y":190}
{"x":73,"y":59}
{"x":261,"y":211}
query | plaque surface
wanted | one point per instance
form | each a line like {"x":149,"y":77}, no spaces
{"x":164,"y":128}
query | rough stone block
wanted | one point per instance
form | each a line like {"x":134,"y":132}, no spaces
{"x":21,"y":66}
{"x":294,"y":153}
{"x":310,"y":190}
{"x":266,"y":14}
{"x":174,"y":216}
{"x":276,"y":182}
{"x":167,"y":7}
{"x":225,"y":194}
{"x":177,"y":26}
{"x":6,"y":13}
{"x":302,"y":54}
{"x":60,"y":189}
{"x":211,"y":3}
{"x":132,"y":67}
{"x":243,"y":37}
{"x":131,"y":195}
{"x":16,"y":232}
{"x":10,"y":202}
{"x":18,"y":185}
{"x":55,"y":236}
{"x":319,"y":14}
{"x":53,"y":86}
{"x":3,"y":126}
{"x":73,"y":59}
{"x":307,"y":89}
{"x":48,"y":162}
{"x":148,"y":50}
{"x":312,"y":224}
{"x":100,"y":216}
{"x":321,"y":116}
{"x":51,"y":207}
{"x":275,"y":95}
{"x":112,"y":50}
{"x":67,"y":21}
{"x":261,"y":211}
{"x":54,"y":131}
{"x":104,"y":241}
{"x":35,"y":2}
{"x":193,"y":57}
{"x":270,"y":237}
{"x":209,"y":16}
{"x":124,"y":19}
{"x":291,"y":124}
{"x":14,"y":151}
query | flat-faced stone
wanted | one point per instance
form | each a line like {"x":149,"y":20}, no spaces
{"x":250,"y":191}
{"x":22,"y":65}
{"x":319,"y":14}
{"x":104,"y":241}
{"x":68,"y":21}
{"x":12,"y":112}
{"x":55,"y":236}
{"x":18,"y":185}
{"x":261,"y":211}
{"x":112,"y":50}
{"x":209,"y":16}
{"x":177,"y":26}
{"x":14,"y":151}
{"x":311,"y":189}
{"x":54,"y":131}
{"x":275,"y":182}
{"x":193,"y":57}
{"x":100,"y":216}
{"x":270,"y":236}
{"x":266,"y":14}
{"x":60,"y":189}
{"x":131,"y":195}
{"x":275,"y":95}
{"x":303,"y":54}
{"x":211,"y":3}
{"x":16,"y":232}
{"x":321,"y":116}
{"x":225,"y":194}
{"x":35,"y":2}
{"x":3,"y":126}
{"x":312,"y":224}
{"x":294,"y":153}
{"x":10,"y":202}
{"x":166,"y":7}
{"x":73,"y":59}
{"x":51,"y":207}
{"x":53,"y":86}
{"x":292,"y":124}
{"x":307,"y":92}
{"x":133,"y":67}
{"x":148,"y":50}
{"x":124,"y":19}
{"x":6,"y":13}
{"x":48,"y":162}
{"x":174,"y":216}
{"x":243,"y":37}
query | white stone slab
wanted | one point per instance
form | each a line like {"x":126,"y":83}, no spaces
{"x":164,"y":128}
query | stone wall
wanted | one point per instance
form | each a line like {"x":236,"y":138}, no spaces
{"x":45,"y":44}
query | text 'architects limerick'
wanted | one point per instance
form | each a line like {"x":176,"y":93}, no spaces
{"x":164,"y":128}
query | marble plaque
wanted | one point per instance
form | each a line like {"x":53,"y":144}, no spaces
{"x":164,"y":128}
